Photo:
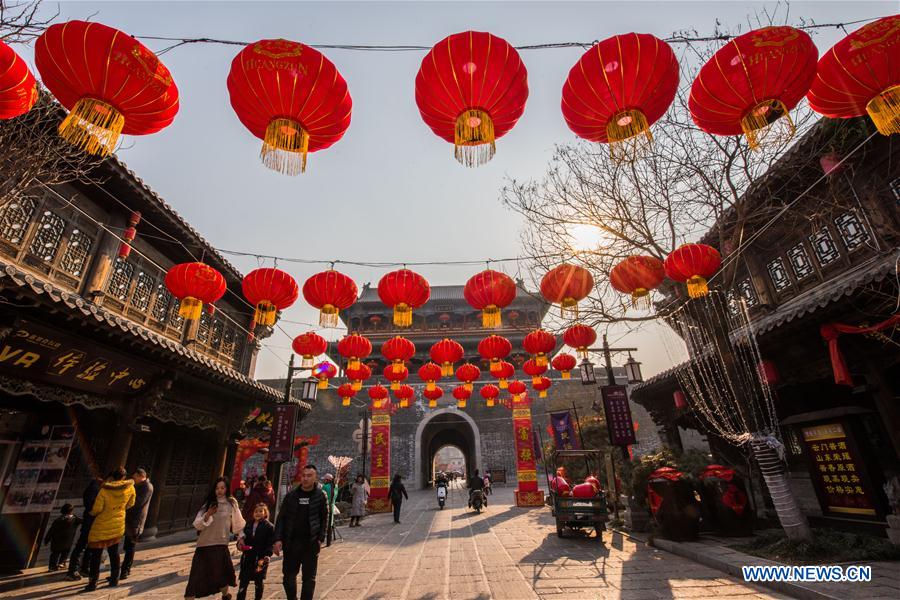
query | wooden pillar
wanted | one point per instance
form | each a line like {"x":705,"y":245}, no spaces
{"x":158,"y":479}
{"x":887,"y":404}
{"x":103,"y":258}
{"x":231,"y":455}
{"x":117,"y":455}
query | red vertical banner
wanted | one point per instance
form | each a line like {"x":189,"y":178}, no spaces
{"x":380,"y":445}
{"x":527,"y":493}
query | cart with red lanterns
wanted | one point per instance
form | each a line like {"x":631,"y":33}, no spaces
{"x":579,"y":507}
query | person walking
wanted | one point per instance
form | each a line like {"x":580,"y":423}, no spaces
{"x":211,"y":568}
{"x":61,"y":535}
{"x":255,"y":543}
{"x":397,"y":492}
{"x":135,"y":517}
{"x":360,"y":491}
{"x":262,"y":492}
{"x":78,"y":562}
{"x":300,"y":531}
{"x":115,"y":497}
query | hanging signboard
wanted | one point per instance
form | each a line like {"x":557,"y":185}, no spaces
{"x":39,"y":471}
{"x":618,"y":415}
{"x":281,"y":445}
{"x":380,"y":458}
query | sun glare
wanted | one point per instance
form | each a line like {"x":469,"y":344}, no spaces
{"x":584,"y":237}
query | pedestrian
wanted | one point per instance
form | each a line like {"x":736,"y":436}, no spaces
{"x":211,"y":568}
{"x":115,"y":497}
{"x":60,"y":536}
{"x":262,"y":492}
{"x":300,"y":530}
{"x":487,"y":485}
{"x":396,"y":493}
{"x":255,"y":543}
{"x":135,"y":517}
{"x":240,"y":494}
{"x":78,"y":562}
{"x":360,"y":490}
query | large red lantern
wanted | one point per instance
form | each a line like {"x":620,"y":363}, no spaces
{"x":752,"y":82}
{"x":194,"y":284}
{"x":433,"y":395}
{"x":580,"y":337}
{"x":292,"y":98}
{"x":398,"y":350}
{"x":110,"y":83}
{"x":534,"y":370}
{"x":309,"y":345}
{"x":861,"y":75}
{"x":18,"y":88}
{"x":504,"y":372}
{"x":693,"y":264}
{"x":541,"y":386}
{"x":396,"y":376}
{"x":331,"y":292}
{"x":358,"y":375}
{"x":346,"y":392}
{"x":490,"y":393}
{"x":403,"y":291}
{"x":404,"y":394}
{"x":471,"y":90}
{"x":324,"y":371}
{"x":462,"y":395}
{"x":445,"y":353}
{"x":564,"y":363}
{"x":379,"y":395}
{"x":680,"y":400}
{"x":638,"y":275}
{"x":539,"y":344}
{"x":517,"y":388}
{"x":354,"y":348}
{"x":468,"y":373}
{"x":494,"y":348}
{"x":269,"y":290}
{"x":430,"y":373}
{"x":490,"y":291}
{"x":618,"y":89}
{"x":567,"y":285}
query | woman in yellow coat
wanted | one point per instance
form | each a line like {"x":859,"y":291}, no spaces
{"x":115,"y":497}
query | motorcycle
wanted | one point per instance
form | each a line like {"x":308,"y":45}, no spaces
{"x":441,"y":495}
{"x":478,"y":500}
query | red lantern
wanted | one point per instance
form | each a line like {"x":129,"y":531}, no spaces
{"x":345,"y":391}
{"x":504,"y":372}
{"x":539,"y":344}
{"x":541,"y":386}
{"x":291,"y":97}
{"x":580,"y":337}
{"x":494,"y":348}
{"x":490,"y":291}
{"x":567,"y":285}
{"x":752,"y":82}
{"x":618,"y":89}
{"x":128,"y":235}
{"x":564,"y":363}
{"x":861,"y":74}
{"x":490,"y":393}
{"x":768,"y":373}
{"x":517,"y":388}
{"x":398,"y":350}
{"x":324,"y":371}
{"x":110,"y":82}
{"x":693,"y":264}
{"x":395,"y":376}
{"x":331,"y":292}
{"x":194,"y":284}
{"x":471,"y":90}
{"x":433,"y":395}
{"x":637,"y":275}
{"x":467,"y":373}
{"x":403,"y":291}
{"x":430,"y":373}
{"x":445,"y":353}
{"x":680,"y":400}
{"x":534,"y":370}
{"x":379,"y":395}
{"x":18,"y":89}
{"x":269,"y":290}
{"x":354,"y":348}
{"x":309,"y":345}
{"x":358,"y":375}
{"x":462,"y":395}
{"x":404,"y":394}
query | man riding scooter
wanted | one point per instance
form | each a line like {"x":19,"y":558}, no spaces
{"x":440,"y":483}
{"x":477,"y":498}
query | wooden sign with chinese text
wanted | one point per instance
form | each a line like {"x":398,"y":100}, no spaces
{"x":381,"y":459}
{"x":281,"y":444}
{"x":618,"y":415}
{"x":837,"y":471}
{"x":527,"y":492}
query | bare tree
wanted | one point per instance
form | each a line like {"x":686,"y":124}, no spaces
{"x":22,"y":21}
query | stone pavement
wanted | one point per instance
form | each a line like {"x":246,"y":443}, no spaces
{"x":503,"y":553}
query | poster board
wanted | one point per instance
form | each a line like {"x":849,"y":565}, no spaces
{"x":39,"y":471}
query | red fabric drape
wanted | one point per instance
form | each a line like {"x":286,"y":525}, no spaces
{"x":830,"y":332}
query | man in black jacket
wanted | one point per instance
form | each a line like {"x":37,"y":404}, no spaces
{"x":135,"y":517}
{"x":76,"y":559}
{"x":300,"y":530}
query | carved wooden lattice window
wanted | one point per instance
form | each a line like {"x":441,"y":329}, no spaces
{"x":175,"y":319}
{"x":14,"y":219}
{"x":748,"y":293}
{"x":203,"y":328}
{"x":731,"y":299}
{"x":824,"y":247}
{"x":76,"y":254}
{"x":215,"y":340}
{"x":228,"y":341}
{"x":852,"y":231}
{"x":120,"y":279}
{"x":143,"y":290}
{"x":778,"y":274}
{"x":800,"y":262}
{"x":48,"y":236}
{"x":161,"y":303}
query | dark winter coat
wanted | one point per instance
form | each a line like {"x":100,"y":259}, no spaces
{"x":89,"y":495}
{"x":261,"y":493}
{"x":261,"y":547}
{"x":136,"y":516}
{"x":397,"y":492}
{"x":287,"y":517}
{"x":61,"y":533}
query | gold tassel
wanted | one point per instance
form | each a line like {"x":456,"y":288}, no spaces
{"x":490,"y":317}
{"x":404,"y":403}
{"x":356,"y":385}
{"x":93,"y":125}
{"x":285,"y":146}
{"x":323,"y":384}
{"x":397,"y":366}
{"x":541,"y":360}
{"x":490,"y":402}
{"x":566,"y":374}
{"x":495,"y":366}
{"x":568,"y":308}
{"x":353,"y":364}
{"x":884,"y":109}
{"x":696,"y":287}
{"x":328,"y":316}
{"x":345,"y":401}
{"x":542,"y":394}
{"x":307,"y":362}
{"x":468,"y":385}
{"x":190,"y":308}
{"x":446,"y":369}
{"x":432,"y":403}
{"x":535,"y":380}
{"x":640,"y":299}
{"x":265,"y":314}
{"x":402,"y":315}
{"x":461,"y":404}
{"x":474,"y":138}
{"x":629,"y":136}
{"x":430,"y":386}
{"x":763,"y":125}
{"x":504,"y":383}
{"x":395,"y":385}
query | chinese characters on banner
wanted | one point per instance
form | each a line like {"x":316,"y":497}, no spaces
{"x":618,"y":415}
{"x":381,"y":459}
{"x":837,"y":470}
{"x":527,"y":493}
{"x":38,"y":472}
{"x":564,"y":434}
{"x":281,"y":441}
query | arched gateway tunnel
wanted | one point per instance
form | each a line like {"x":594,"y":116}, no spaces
{"x":446,"y":428}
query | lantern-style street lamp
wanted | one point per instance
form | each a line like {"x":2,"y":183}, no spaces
{"x":586,"y":369}
{"x":633,"y":370}
{"x":310,"y":390}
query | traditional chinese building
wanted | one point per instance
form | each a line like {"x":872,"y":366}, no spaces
{"x":97,"y":369}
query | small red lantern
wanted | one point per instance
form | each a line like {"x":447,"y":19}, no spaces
{"x":534,"y":370}
{"x":539,"y":344}
{"x":494,"y":348}
{"x":462,"y":395}
{"x":693,"y":264}
{"x":468,"y":373}
{"x":638,"y":275}
{"x":128,"y":235}
{"x":768,"y":372}
{"x":433,"y":395}
{"x":354,"y":348}
{"x":346,"y":392}
{"x":269,"y":290}
{"x":398,"y":350}
{"x":564,"y":363}
{"x":358,"y":375}
{"x":490,"y":291}
{"x":517,"y":389}
{"x":18,"y":88}
{"x":567,"y":285}
{"x":504,"y":371}
{"x":430,"y":373}
{"x":309,"y":345}
{"x":445,"y":353}
{"x":379,"y":395}
{"x":490,"y":393}
{"x":396,"y":376}
{"x":331,"y":292}
{"x":541,"y":386}
{"x":580,"y":337}
{"x":194,"y":284}
{"x":680,"y":399}
{"x":324,"y":371}
{"x":403,"y":291}
{"x":404,"y":394}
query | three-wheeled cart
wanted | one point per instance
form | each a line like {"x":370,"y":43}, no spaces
{"x":578,"y":514}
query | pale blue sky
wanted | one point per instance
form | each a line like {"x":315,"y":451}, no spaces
{"x":390,"y":190}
